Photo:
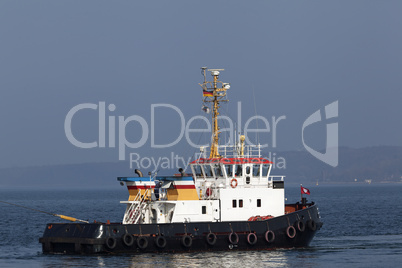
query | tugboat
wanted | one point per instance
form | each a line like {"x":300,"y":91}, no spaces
{"x":230,"y":201}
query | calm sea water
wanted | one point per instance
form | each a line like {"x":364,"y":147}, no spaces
{"x":362,"y":228}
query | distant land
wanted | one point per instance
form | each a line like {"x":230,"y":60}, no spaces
{"x":374,"y":164}
{"x":378,"y":164}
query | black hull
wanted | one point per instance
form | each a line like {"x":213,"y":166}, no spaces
{"x":292,"y":230}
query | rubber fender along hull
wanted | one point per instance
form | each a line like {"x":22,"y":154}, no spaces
{"x":98,"y":238}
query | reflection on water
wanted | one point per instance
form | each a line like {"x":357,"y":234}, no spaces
{"x":210,"y":259}
{"x":328,"y":251}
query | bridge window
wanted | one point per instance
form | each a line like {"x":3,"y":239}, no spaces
{"x":208,"y":171}
{"x":204,"y":209}
{"x":265,"y":169}
{"x":248,"y":169}
{"x":198,"y":170}
{"x":229,"y":170}
{"x":258,"y":203}
{"x":239,"y":170}
{"x":256,"y":170}
{"x":218,"y":171}
{"x":240,"y":203}
{"x":234,"y":203}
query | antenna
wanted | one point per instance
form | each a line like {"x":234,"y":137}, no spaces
{"x":214,"y":93}
{"x":204,"y":74}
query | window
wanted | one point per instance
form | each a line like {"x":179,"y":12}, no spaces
{"x":256,"y":170}
{"x":198,"y":171}
{"x":239,"y":170}
{"x":247,"y":180}
{"x":204,"y":209}
{"x":208,"y":171}
{"x":234,"y":203}
{"x":248,"y":169}
{"x":228,"y":170}
{"x":259,"y":203}
{"x":240,"y":203}
{"x":265,"y":169}
{"x":218,"y":171}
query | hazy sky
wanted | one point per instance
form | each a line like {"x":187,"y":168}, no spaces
{"x":282,"y":58}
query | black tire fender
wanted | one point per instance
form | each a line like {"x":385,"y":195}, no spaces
{"x":211,"y":239}
{"x":111,"y":242}
{"x":301,"y":226}
{"x":128,"y":240}
{"x":312,"y":225}
{"x":187,"y":241}
{"x":160,"y":241}
{"x":291,"y":232}
{"x":252,"y":238}
{"x":233,"y":238}
{"x":269,"y":236}
{"x":142,"y":242}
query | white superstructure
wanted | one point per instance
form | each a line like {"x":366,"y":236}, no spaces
{"x":232,"y":184}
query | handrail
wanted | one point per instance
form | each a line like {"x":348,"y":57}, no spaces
{"x":272,"y":178}
{"x":133,"y":213}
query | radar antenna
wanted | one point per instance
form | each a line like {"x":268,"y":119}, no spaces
{"x":214,"y":92}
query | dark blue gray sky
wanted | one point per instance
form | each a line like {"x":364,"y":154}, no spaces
{"x":292,"y":57}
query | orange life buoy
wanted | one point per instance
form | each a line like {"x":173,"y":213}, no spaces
{"x":233,"y":183}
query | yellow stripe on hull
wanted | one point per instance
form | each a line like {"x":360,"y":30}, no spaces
{"x":182,"y":194}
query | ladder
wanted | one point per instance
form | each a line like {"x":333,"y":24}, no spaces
{"x":133,"y":213}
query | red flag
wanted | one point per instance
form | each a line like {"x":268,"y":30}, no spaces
{"x":304,"y":190}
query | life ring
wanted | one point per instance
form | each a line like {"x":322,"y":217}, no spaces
{"x":312,"y":225}
{"x":111,"y":242}
{"x":211,"y":239}
{"x":187,"y":241}
{"x":142,"y":242}
{"x":300,"y":226}
{"x":269,"y":236}
{"x":233,"y":238}
{"x":291,"y":232}
{"x":160,"y":241}
{"x":128,"y":240}
{"x":252,"y":238}
{"x":233,"y":183}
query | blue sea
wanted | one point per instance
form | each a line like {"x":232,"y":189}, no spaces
{"x":362,"y":228}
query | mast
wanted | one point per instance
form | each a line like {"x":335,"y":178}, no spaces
{"x":214,"y":92}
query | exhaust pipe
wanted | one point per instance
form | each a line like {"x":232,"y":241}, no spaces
{"x":138,"y":172}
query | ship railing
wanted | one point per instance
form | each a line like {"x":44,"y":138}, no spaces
{"x":133,"y":213}
{"x":210,"y":192}
{"x":234,"y":151}
{"x":271,"y":179}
